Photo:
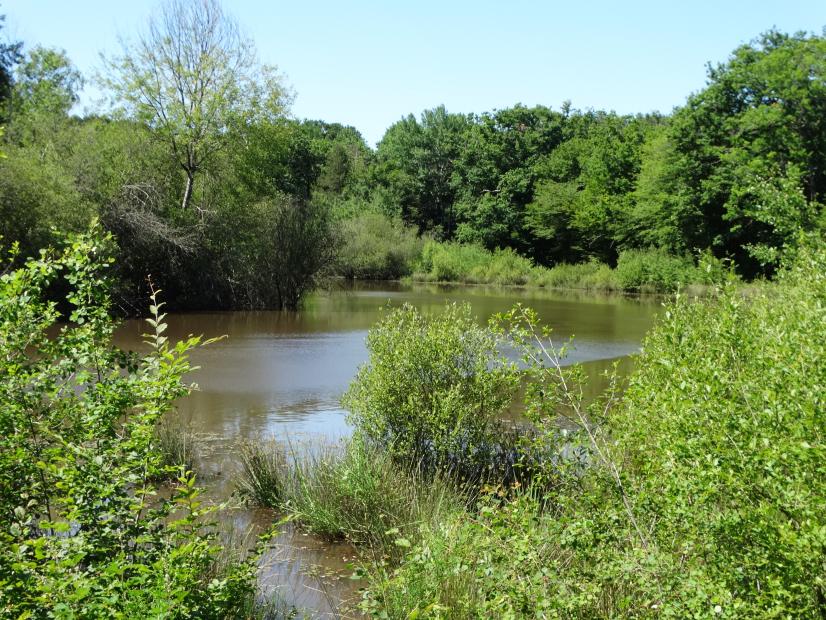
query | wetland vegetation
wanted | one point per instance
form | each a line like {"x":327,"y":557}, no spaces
{"x":452,"y":444}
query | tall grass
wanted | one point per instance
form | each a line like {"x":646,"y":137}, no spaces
{"x":457,"y":262}
{"x":360,"y":494}
{"x":349,"y":492}
{"x":652,"y":270}
{"x":264,"y":474}
{"x":175,"y":441}
{"x":591,"y":275}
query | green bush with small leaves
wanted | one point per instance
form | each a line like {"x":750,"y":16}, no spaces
{"x":433,"y":387}
{"x":84,"y":531}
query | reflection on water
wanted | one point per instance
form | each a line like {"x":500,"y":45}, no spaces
{"x":280,"y":375}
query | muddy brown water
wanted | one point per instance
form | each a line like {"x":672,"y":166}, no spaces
{"x":280,"y":375}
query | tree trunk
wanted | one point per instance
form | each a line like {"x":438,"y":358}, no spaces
{"x":190,"y":181}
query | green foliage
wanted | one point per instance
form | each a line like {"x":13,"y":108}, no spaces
{"x":36,"y":196}
{"x":736,"y":173}
{"x":283,"y":247}
{"x":264,"y":474}
{"x":85,"y":532}
{"x":699,"y":492}
{"x":649,"y":271}
{"x":433,"y":386}
{"x":450,"y":262}
{"x":747,"y":153}
{"x":376,"y":246}
{"x":456,"y":262}
{"x":10,"y":55}
{"x":731,"y":460}
{"x":359,"y":493}
{"x":192,"y":76}
{"x":640,"y":270}
{"x":414,"y":167}
{"x":45,"y":89}
{"x":175,"y":442}
{"x":590,"y":275}
{"x":492,"y":564}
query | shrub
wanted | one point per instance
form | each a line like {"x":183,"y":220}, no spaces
{"x":505,"y":267}
{"x":376,"y":247}
{"x":731,"y":465}
{"x":654,"y":270}
{"x":590,"y":275}
{"x":450,"y":262}
{"x":704,"y":493}
{"x":84,"y":532}
{"x":433,"y":386}
{"x":489,"y":564}
{"x":289,"y":245}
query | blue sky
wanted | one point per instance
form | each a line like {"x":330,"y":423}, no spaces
{"x":368,"y":63}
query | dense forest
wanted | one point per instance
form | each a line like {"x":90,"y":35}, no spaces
{"x":207,"y":183}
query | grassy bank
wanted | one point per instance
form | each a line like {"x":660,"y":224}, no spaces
{"x":649,"y":271}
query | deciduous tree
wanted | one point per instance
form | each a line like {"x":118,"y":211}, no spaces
{"x":191,"y":76}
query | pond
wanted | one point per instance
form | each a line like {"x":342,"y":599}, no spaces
{"x":280,"y":375}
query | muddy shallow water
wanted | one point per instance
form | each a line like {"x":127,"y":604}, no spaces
{"x":280,"y":375}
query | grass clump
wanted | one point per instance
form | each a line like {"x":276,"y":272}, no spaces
{"x":357,"y":493}
{"x":176,"y":444}
{"x":264,"y":474}
{"x":350,"y":491}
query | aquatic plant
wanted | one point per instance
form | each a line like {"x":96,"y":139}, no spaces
{"x":264,"y":474}
{"x":358,"y":493}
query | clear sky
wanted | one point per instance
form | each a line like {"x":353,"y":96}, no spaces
{"x":367,"y":63}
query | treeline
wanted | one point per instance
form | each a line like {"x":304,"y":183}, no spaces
{"x":739,"y":170}
{"x":228,"y":202}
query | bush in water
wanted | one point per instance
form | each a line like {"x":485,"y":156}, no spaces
{"x":433,"y":388}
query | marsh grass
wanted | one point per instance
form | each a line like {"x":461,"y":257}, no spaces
{"x":264,"y":474}
{"x":643,"y":270}
{"x":358,"y":493}
{"x":176,"y":443}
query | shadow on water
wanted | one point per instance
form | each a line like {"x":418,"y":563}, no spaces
{"x":280,"y":375}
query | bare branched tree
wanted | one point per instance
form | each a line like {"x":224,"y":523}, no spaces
{"x":190,"y":76}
